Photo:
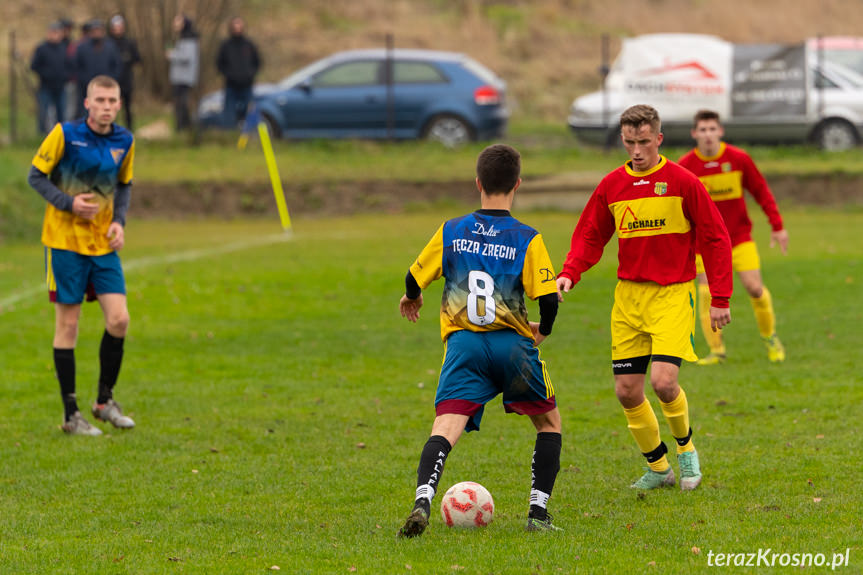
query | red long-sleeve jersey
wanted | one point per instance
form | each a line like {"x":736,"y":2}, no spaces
{"x":656,"y":215}
{"x":725,"y":176}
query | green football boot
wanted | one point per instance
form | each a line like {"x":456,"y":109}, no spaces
{"x":536,"y":524}
{"x":653,"y":479}
{"x":690,"y":470}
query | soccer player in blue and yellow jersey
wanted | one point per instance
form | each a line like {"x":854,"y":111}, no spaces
{"x":660,"y":212}
{"x":726,"y":171}
{"x":489,"y":260}
{"x":83,"y":169}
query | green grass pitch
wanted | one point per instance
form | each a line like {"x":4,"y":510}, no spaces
{"x":282,"y":403}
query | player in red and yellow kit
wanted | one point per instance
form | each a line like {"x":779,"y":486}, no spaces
{"x":726,"y":172}
{"x":660,"y":211}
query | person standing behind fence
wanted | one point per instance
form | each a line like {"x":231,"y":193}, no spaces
{"x":95,"y":56}
{"x":129,"y":56}
{"x":71,"y":50}
{"x":51,"y":65}
{"x":70,"y":87}
{"x":183,"y":71}
{"x":238,"y":61}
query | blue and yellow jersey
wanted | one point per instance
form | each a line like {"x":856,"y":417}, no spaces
{"x":490,"y":260}
{"x":78,"y":160}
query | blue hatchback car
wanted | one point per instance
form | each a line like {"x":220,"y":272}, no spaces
{"x":376,"y":94}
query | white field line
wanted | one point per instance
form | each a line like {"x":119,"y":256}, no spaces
{"x":148,"y":262}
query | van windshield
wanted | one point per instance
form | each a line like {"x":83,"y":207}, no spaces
{"x":847,"y":76}
{"x":852,"y":59}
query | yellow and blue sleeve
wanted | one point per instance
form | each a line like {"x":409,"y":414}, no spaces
{"x":124,"y":176}
{"x":429,"y":264}
{"x":51,"y":151}
{"x":538,"y":273}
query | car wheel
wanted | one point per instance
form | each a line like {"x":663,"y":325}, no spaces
{"x":272,"y":126}
{"x":449,"y":130}
{"x":835,"y":135}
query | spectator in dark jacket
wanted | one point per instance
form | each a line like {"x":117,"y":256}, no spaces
{"x":238,"y":62}
{"x":72,"y":47}
{"x":66,"y":27}
{"x":95,"y":56}
{"x":129,"y":56}
{"x":51,"y":65}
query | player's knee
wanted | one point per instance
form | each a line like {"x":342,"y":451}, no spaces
{"x":67,"y":329}
{"x":117,"y":323}
{"x":548,"y":422}
{"x":665,"y":386}
{"x":629,"y":394}
{"x":755,"y":291}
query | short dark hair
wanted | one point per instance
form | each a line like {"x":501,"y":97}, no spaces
{"x":640,"y":114}
{"x":498,"y":168}
{"x":705,"y":115}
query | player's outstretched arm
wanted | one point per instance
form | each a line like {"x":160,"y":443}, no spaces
{"x":410,"y":308}
{"x":412,"y":301}
{"x":564,"y":284}
{"x":780,"y":237}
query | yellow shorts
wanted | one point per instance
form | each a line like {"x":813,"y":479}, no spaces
{"x":650,"y":319}
{"x":744,"y":257}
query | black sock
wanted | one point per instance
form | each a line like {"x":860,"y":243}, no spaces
{"x":544,"y":468}
{"x":430,"y":469}
{"x":64,"y":365}
{"x":110,"y":358}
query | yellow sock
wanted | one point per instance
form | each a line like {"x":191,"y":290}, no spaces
{"x":713,"y":338}
{"x":645,"y":430}
{"x":764,"y":316}
{"x":677,"y":415}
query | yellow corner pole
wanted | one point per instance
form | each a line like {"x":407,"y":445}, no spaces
{"x":273,"y":169}
{"x":242,"y":141}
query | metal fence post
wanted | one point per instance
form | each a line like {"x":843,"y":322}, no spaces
{"x":390,"y":95}
{"x":603,"y":71}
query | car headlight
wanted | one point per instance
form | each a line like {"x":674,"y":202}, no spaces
{"x":579,"y":113}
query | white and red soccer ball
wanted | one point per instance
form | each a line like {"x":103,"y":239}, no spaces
{"x":467,"y":504}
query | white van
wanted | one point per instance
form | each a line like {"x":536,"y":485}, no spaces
{"x":764,"y":93}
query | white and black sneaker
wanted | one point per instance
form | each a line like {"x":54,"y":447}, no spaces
{"x":77,"y":425}
{"x":111,"y":412}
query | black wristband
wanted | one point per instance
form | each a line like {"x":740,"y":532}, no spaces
{"x":412,"y":288}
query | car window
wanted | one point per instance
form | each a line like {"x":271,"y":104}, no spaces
{"x":416,"y":73}
{"x":850,"y":58}
{"x":349,"y":74}
{"x":822,"y":81}
{"x":481,"y":71}
{"x":846,"y":75}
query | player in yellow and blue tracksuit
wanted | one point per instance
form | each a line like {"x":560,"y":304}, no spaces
{"x":83,"y":169}
{"x":490,"y":261}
